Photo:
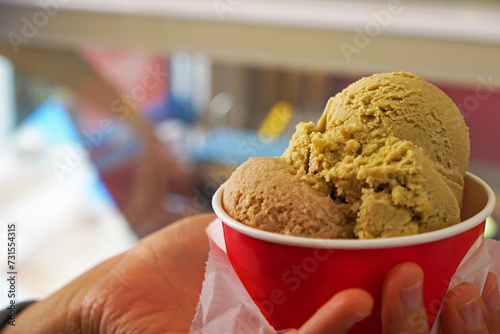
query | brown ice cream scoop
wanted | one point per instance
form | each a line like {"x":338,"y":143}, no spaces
{"x":266,"y":193}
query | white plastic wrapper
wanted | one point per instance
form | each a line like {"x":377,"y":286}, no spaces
{"x":226,"y":307}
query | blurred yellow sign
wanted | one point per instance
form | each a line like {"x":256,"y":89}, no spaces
{"x":276,"y":121}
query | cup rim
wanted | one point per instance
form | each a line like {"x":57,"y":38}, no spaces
{"x":392,"y":242}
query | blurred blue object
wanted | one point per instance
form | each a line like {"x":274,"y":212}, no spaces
{"x":53,"y":123}
{"x":171,"y":107}
{"x":228,"y":145}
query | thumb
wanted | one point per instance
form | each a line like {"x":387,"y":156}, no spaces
{"x":463,"y":311}
{"x":402,"y":300}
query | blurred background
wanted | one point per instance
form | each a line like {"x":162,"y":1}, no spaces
{"x":120,"y":117}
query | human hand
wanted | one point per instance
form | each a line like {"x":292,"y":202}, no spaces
{"x":152,"y":288}
{"x":465,"y":310}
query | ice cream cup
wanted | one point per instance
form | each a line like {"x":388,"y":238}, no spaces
{"x":289,"y":278}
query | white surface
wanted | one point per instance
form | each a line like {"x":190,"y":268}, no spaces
{"x":63,"y":229}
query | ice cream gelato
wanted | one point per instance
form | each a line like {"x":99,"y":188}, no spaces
{"x":268,"y":194}
{"x":387,"y":158}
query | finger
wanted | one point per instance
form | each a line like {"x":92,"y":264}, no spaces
{"x":340,"y":313}
{"x":402,"y":300}
{"x":181,"y":240}
{"x":463,"y":311}
{"x":185,"y":230}
{"x":181,"y":248}
{"x":491,"y":299}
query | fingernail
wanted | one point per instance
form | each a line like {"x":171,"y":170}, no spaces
{"x":470,"y":312}
{"x":412,"y":296}
{"x":491,"y":299}
{"x":353,"y":319}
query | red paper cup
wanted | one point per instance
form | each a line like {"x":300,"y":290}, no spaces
{"x":289,"y":278}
